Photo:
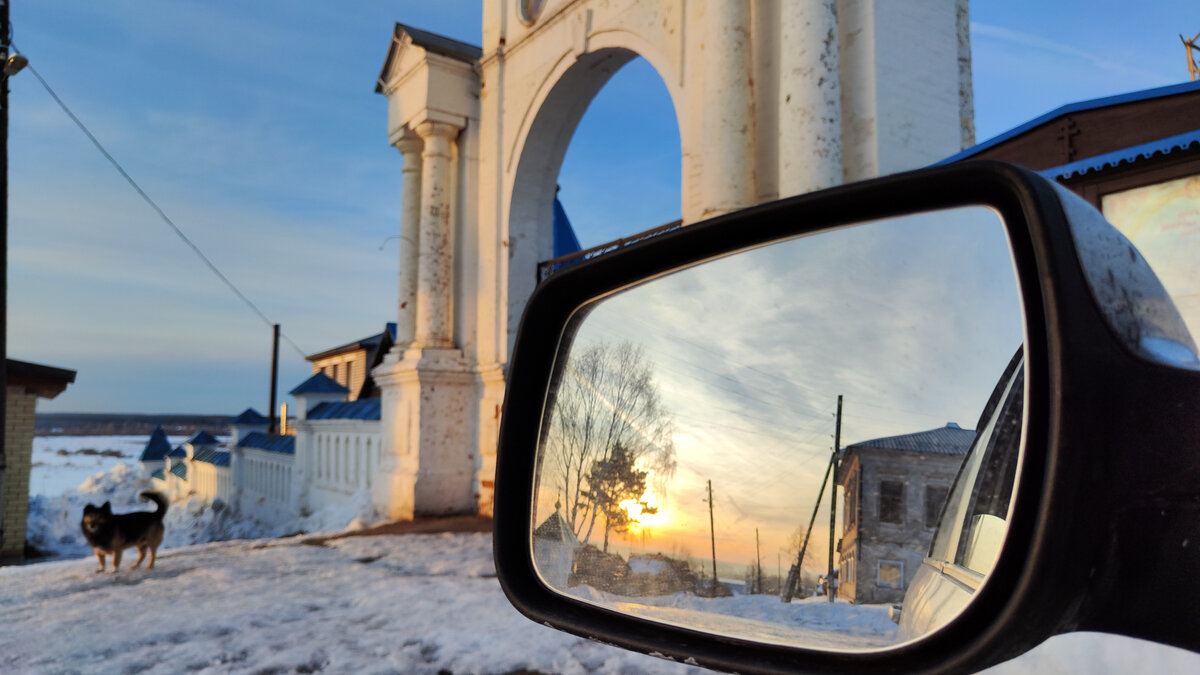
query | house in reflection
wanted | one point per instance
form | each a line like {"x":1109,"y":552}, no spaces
{"x":893,"y":489}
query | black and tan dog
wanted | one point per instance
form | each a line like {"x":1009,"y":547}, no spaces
{"x":110,"y":533}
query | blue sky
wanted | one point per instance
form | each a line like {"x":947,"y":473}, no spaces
{"x":256,"y":128}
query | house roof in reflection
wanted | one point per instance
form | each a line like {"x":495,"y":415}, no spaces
{"x":948,"y":440}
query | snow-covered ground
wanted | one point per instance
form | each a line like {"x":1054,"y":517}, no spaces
{"x":410,"y":604}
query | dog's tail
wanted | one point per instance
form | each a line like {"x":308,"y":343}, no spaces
{"x":157,"y":498}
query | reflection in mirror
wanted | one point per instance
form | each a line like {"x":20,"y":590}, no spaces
{"x":764,"y":445}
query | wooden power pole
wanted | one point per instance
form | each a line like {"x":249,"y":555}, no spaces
{"x":712,"y":530}
{"x":1192,"y":49}
{"x":833,"y":463}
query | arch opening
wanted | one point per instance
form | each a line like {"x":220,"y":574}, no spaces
{"x":608,"y":134}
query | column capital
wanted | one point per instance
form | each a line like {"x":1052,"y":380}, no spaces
{"x":408,"y":144}
{"x":434,"y":129}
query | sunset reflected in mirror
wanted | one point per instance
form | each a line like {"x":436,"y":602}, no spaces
{"x":762,"y":445}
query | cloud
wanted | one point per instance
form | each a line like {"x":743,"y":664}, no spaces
{"x":1053,"y":48}
{"x":912,"y":320}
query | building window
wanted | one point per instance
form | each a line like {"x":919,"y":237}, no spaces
{"x":890,"y":574}
{"x":935,"y":498}
{"x":891,"y":502}
{"x":851,"y":514}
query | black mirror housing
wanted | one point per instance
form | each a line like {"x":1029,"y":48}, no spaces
{"x":1109,"y":483}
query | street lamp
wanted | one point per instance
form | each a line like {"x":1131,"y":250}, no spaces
{"x":14,"y":64}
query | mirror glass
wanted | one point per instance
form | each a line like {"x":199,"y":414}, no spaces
{"x":764,"y":445}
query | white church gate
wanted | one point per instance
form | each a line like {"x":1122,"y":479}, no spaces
{"x":773,"y":98}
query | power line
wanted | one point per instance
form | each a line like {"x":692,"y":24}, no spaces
{"x":161,"y":214}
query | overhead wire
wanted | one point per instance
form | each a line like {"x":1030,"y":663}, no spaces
{"x":154,"y":205}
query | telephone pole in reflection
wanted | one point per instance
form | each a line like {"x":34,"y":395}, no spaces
{"x":837,"y":446}
{"x":712,"y":531}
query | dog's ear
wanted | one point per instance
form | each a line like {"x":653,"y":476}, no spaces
{"x":107,"y":507}
{"x":89,"y":508}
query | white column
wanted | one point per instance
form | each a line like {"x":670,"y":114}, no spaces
{"x":728,"y":113}
{"x":810,"y":107}
{"x":410,"y":217}
{"x":435,"y":269}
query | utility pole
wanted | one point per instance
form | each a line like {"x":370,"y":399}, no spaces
{"x":837,"y":446}
{"x":5,"y":31}
{"x":1191,"y":47}
{"x":712,"y":530}
{"x":274,"y":376}
{"x":793,"y":578}
{"x":758,"y":563}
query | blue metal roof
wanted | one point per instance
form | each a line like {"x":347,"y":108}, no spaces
{"x":212,"y":456}
{"x":177,"y":452}
{"x":157,"y":447}
{"x":281,"y":444}
{"x":158,"y":474}
{"x":1133,"y":153}
{"x":179,"y":469}
{"x":362,"y":409}
{"x":1070,"y":108}
{"x":250,"y":416}
{"x":201,"y":438}
{"x":565,"y":241}
{"x":319,"y":383}
{"x":948,"y":440}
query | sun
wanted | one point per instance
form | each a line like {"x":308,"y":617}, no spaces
{"x":643,"y":513}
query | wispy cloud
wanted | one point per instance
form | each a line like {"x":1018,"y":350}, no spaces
{"x":1092,"y":60}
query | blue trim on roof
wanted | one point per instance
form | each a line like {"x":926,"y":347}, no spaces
{"x":391,"y":329}
{"x":1129,"y":97}
{"x":281,"y":444}
{"x":1133,"y":153}
{"x":212,"y":456}
{"x":319,"y":383}
{"x":565,"y":241}
{"x":250,"y":416}
{"x":177,"y":452}
{"x":159,"y":475}
{"x":362,"y":409}
{"x":201,"y":438}
{"x":157,"y":447}
{"x":179,"y":469}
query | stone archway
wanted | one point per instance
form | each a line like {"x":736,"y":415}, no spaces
{"x":772,"y":99}
{"x":544,"y":146}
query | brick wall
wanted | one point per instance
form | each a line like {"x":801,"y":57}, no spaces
{"x":18,"y":444}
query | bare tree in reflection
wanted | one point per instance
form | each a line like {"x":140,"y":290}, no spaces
{"x":606,"y":399}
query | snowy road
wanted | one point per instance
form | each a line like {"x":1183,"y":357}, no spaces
{"x":410,"y":604}
{"x":387,"y":604}
{"x":383,"y":604}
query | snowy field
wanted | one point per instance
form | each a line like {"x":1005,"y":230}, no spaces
{"x":384,"y":604}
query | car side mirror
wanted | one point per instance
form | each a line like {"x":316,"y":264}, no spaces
{"x":834,"y":376}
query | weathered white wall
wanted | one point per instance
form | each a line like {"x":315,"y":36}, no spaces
{"x":336,"y":460}
{"x":265,"y":482}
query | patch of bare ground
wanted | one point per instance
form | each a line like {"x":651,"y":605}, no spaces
{"x":417,"y":526}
